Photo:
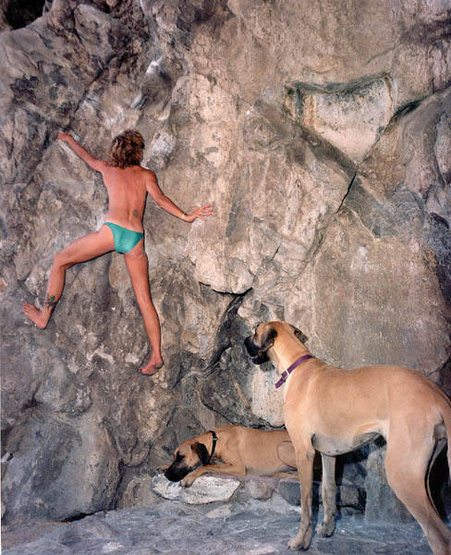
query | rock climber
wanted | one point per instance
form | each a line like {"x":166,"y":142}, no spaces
{"x":127,"y":184}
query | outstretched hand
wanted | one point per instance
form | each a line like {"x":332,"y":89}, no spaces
{"x":202,"y":213}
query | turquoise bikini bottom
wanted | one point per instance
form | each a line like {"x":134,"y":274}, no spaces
{"x":124,"y":239}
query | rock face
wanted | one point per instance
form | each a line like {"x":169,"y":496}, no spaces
{"x":321,"y":136}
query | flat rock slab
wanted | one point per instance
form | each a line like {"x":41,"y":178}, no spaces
{"x":217,"y":528}
{"x":205,"y":489}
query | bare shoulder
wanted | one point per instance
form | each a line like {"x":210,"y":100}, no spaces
{"x":150,"y":180}
{"x":102,"y":166}
{"x":148,"y":174}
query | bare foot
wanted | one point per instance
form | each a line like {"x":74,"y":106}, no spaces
{"x":38,"y":317}
{"x":152,"y":368}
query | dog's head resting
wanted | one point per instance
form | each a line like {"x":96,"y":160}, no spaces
{"x":188,"y":456}
{"x":267,"y":337}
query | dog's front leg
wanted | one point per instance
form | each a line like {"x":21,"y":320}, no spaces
{"x":304,"y":462}
{"x":230,"y":469}
{"x":329,"y":492}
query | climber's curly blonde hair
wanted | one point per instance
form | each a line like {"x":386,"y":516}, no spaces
{"x":127,"y":149}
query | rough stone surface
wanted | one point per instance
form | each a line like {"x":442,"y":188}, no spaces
{"x":171,"y":527}
{"x":320,"y":133}
{"x":349,"y":117}
{"x":49,"y":457}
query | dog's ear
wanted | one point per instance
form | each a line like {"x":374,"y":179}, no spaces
{"x":267,"y":340}
{"x":298,"y":333}
{"x":201,"y":451}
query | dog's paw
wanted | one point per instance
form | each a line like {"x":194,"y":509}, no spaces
{"x":163,"y":468}
{"x":326,"y":528}
{"x":302,"y":541}
{"x":187,"y":481}
{"x":294,"y":544}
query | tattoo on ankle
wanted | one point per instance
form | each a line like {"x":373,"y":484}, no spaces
{"x":50,"y":302}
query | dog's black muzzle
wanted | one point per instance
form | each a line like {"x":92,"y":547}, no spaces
{"x":176,"y":473}
{"x":258,"y":357}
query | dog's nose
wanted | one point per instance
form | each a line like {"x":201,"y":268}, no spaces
{"x":250,"y":346}
{"x":172,"y":475}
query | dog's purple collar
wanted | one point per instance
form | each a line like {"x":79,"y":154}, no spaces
{"x":287,"y":372}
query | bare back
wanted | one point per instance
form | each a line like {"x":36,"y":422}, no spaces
{"x":127,"y":191}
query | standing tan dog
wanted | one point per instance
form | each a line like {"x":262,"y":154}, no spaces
{"x":335,"y":411}
{"x":241,"y":450}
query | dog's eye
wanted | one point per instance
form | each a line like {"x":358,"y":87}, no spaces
{"x":179,"y":457}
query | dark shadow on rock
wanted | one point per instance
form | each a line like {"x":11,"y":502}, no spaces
{"x":20,"y":13}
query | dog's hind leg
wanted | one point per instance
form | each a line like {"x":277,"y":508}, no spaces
{"x":406,"y":464}
{"x":304,"y":462}
{"x":329,"y":492}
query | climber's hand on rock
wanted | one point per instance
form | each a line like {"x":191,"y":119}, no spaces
{"x":65,"y":137}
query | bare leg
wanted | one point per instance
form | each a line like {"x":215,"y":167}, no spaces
{"x":83,"y":249}
{"x":137,"y":266}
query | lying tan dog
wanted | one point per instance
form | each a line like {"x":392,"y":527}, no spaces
{"x":242,"y":450}
{"x":336,"y":411}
